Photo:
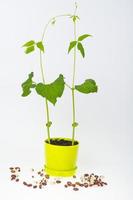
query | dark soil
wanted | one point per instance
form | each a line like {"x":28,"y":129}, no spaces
{"x":61,"y":142}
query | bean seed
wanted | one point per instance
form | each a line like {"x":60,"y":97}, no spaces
{"x":75,"y":189}
{"x":86,"y":175}
{"x":85,"y":185}
{"x":69,"y":183}
{"x":73,"y":185}
{"x":29,"y":185}
{"x":58,"y":181}
{"x":13,"y":171}
{"x":44,"y":183}
{"x":40,"y":186}
{"x":13,"y":176}
{"x":41,"y":174}
{"x":24,"y":183}
{"x":65,"y":186}
{"x":47,"y":176}
{"x":77,"y":183}
{"x":35,"y":186}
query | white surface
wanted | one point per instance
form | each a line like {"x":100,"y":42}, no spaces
{"x":105,"y":118}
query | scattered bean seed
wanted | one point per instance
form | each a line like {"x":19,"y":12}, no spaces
{"x":58,"y":181}
{"x":86,"y":185}
{"x":75,"y":189}
{"x":85,"y":180}
{"x":29,"y":185}
{"x":47,"y":176}
{"x":73,"y":185}
{"x":35,"y":186}
{"x":65,"y":186}
{"x":24,"y":183}
{"x":77,"y":183}
{"x":86,"y":175}
{"x":69,"y":183}
{"x":40,"y":186}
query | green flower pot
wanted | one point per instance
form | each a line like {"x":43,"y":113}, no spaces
{"x":60,"y":160}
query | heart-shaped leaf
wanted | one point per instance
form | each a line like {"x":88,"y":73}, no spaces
{"x":53,"y":90}
{"x":27,"y":85}
{"x":89,"y":86}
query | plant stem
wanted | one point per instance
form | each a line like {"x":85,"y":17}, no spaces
{"x":42,"y":72}
{"x":74,"y":57}
{"x":73,"y":106}
{"x":47,"y":112}
{"x":73,"y":82}
{"x":46,"y":102}
{"x":51,"y":19}
{"x":42,"y":69}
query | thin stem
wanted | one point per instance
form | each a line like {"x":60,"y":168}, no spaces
{"x":73,"y":82}
{"x":74,"y":57}
{"x":73,"y":105}
{"x":47,"y":112}
{"x":42,"y":69}
{"x":47,"y":109}
{"x":42,"y":72}
{"x":76,"y":6}
{"x":51,"y":19}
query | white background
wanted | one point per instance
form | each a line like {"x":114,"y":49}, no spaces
{"x":105,"y":118}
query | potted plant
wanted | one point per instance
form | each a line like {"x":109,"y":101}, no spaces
{"x":60,"y":153}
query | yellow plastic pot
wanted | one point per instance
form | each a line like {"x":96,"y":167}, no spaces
{"x":60,"y":160}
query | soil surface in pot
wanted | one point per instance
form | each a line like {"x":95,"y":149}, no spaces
{"x":62,"y":142}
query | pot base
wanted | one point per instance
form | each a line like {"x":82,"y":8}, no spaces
{"x":60,"y":173}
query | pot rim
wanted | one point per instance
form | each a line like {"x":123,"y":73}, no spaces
{"x":69,"y":139}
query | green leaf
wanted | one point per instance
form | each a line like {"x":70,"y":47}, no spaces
{"x":29,"y":49}
{"x":72,"y":45}
{"x":53,"y":90}
{"x":81,"y":49}
{"x":40,"y":46}
{"x":27,"y":85}
{"x":29,"y":43}
{"x":89,"y":86}
{"x":82,"y":37}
